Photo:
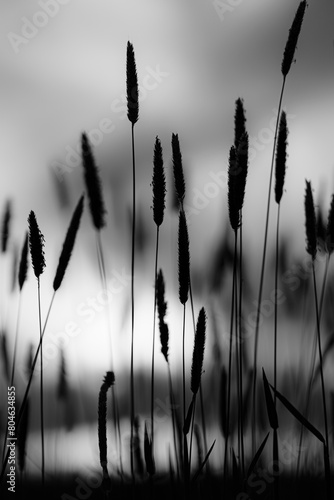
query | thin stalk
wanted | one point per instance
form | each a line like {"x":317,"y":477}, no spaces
{"x":16,"y":340}
{"x":262,"y":275}
{"x":184,"y":363}
{"x":172,"y":403}
{"x":132,"y":300}
{"x":153,"y":339}
{"x":237,"y":346}
{"x":26,"y":394}
{"x":320,"y":355}
{"x":241,"y":351}
{"x":200,"y":387}
{"x":275,"y":305}
{"x":13,"y":368}
{"x":114,"y":398}
{"x":314,"y":350}
{"x":230,"y":368}
{"x":41,"y":382}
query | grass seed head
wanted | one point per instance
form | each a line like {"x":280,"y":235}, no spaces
{"x":68,"y":244}
{"x":281,"y":157}
{"x":36,"y":244}
{"x":198,"y":352}
{"x":310,"y":222}
{"x":132,"y":85}
{"x":184,"y":259}
{"x":239,"y":121}
{"x":180,"y":185}
{"x":23,"y":268}
{"x":5,"y":230}
{"x":291,"y":43}
{"x":330,"y":228}
{"x":158,"y":184}
{"x":233,"y":210}
{"x":93,"y":184}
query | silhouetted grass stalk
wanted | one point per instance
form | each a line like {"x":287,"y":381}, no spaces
{"x":288,"y":57}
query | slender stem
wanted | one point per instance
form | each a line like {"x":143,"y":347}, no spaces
{"x":200,"y":386}
{"x":184,"y":363}
{"x":237,"y":344}
{"x":229,"y":371}
{"x":320,"y":354}
{"x":13,"y":368}
{"x":16,"y":340}
{"x":132,"y":300}
{"x":308,"y":398}
{"x":26,"y":394}
{"x":275,"y":305}
{"x":241,"y":352}
{"x":262,"y":276}
{"x":114,"y":398}
{"x":172,"y":403}
{"x":153,"y":340}
{"x":41,"y":382}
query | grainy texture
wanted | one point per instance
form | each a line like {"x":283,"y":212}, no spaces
{"x":281,"y":157}
{"x":36,"y":244}
{"x":291,"y":43}
{"x":93,"y":185}
{"x":68,"y":244}
{"x":132,"y":85}
{"x":158,"y":184}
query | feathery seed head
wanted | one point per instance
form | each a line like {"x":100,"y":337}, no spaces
{"x":158,"y":184}
{"x":291,"y":43}
{"x":330,"y":228}
{"x":242,"y":169}
{"x":310,"y":222}
{"x":184,"y":259}
{"x":36,"y":244}
{"x":162,"y":308}
{"x":132,"y":85}
{"x":233,"y":209}
{"x":68,"y":244}
{"x":198,"y":352}
{"x":93,"y":184}
{"x":6,"y":227}
{"x":239,"y":121}
{"x":180,"y":186}
{"x":281,"y":157}
{"x":23,"y":268}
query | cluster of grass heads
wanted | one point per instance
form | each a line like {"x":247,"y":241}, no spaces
{"x":243,"y":398}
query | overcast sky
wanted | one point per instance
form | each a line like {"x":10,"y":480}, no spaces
{"x":63,"y":72}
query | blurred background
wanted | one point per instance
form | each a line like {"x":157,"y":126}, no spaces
{"x":63,"y":72}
